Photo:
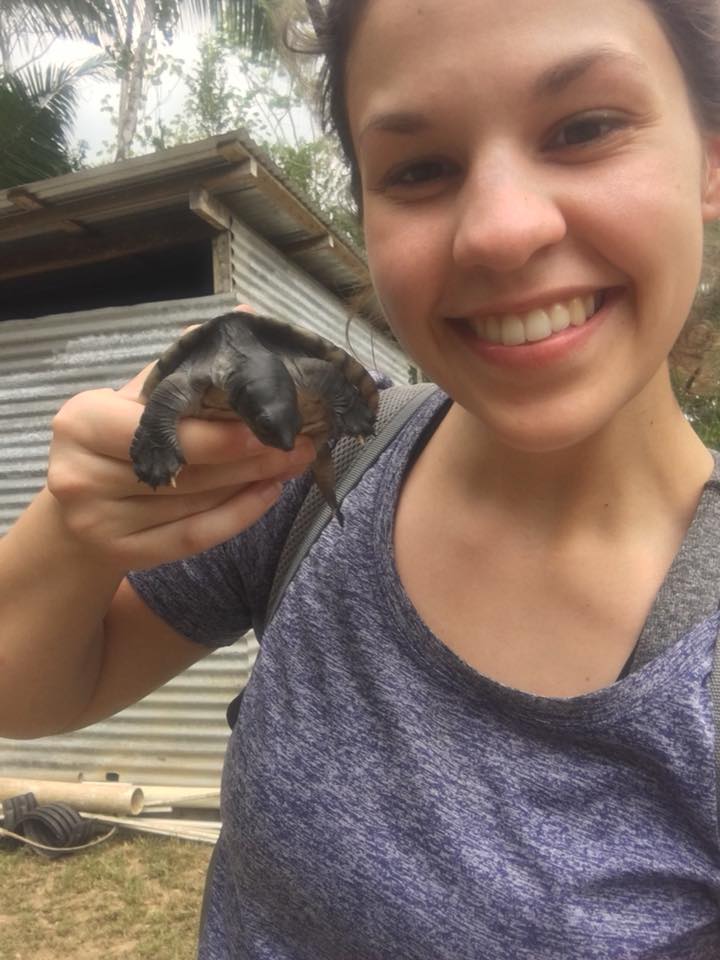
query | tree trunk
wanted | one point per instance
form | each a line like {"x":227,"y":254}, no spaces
{"x":5,"y":45}
{"x":132,"y":83}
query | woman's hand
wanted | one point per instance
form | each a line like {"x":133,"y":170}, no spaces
{"x":229,"y":481}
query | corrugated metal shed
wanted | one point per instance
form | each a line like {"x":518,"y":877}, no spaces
{"x":95,"y":214}
{"x":262,"y":277}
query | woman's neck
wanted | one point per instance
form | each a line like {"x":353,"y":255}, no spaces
{"x":648,"y":459}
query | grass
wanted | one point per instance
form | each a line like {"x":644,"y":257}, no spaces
{"x":134,"y":897}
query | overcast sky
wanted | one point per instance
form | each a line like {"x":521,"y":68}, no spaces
{"x":93,"y":124}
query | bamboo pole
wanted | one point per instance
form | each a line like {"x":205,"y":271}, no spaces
{"x":100,"y":797}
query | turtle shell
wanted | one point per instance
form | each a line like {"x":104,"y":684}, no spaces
{"x":286,"y":339}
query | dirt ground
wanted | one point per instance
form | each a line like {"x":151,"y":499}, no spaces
{"x":135,"y":897}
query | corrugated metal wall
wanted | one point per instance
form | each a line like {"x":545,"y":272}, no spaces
{"x":178,"y":733}
{"x":264,"y":279}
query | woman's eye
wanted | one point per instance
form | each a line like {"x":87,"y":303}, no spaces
{"x":586,"y":130}
{"x":423,"y":172}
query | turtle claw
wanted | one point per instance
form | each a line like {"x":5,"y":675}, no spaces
{"x":153,"y":463}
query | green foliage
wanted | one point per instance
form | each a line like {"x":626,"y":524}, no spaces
{"x":33,"y":139}
{"x":695,"y":361}
{"x":237,"y":81}
{"x":37,"y":110}
{"x":210,"y":106}
{"x":314,"y":167}
{"x":704,"y":414}
{"x":37,"y":106}
{"x":229,"y":87}
{"x":140,"y":63}
{"x":250,"y":26}
{"x":209,"y":91}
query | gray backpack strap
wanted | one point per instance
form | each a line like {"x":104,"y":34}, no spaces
{"x":397,"y":404}
{"x":689,"y":595}
{"x":715,"y":695}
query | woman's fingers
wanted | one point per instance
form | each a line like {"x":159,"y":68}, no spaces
{"x":266,"y":464}
{"x":200,"y":529}
{"x":136,"y":533}
{"x":131,"y":389}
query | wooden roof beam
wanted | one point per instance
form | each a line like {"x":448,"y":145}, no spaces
{"x":324,"y":241}
{"x":232,"y":150}
{"x":25,"y":200}
{"x":205,"y":206}
{"x":44,"y":217}
{"x":287,"y":201}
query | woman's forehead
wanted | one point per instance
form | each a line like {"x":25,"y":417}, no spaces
{"x":495,"y":18}
{"x":412,"y":48}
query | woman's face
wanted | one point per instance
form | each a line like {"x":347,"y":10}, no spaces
{"x":534,"y":188}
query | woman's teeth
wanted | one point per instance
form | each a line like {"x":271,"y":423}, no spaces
{"x":514,"y":329}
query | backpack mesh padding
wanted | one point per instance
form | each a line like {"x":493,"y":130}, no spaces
{"x":351,"y":461}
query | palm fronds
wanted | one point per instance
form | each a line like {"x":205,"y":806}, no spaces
{"x":83,"y":19}
{"x":37,"y":110}
{"x":246,"y":23}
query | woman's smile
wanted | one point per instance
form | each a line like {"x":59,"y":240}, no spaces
{"x":515,"y":326}
{"x":538,"y":337}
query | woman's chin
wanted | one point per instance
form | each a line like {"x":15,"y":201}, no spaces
{"x":537,"y":435}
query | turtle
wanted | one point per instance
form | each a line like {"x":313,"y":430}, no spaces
{"x":281,"y":379}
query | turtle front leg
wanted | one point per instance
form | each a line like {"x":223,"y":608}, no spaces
{"x":155,"y":451}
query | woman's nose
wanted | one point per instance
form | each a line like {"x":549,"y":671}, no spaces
{"x":504,"y":218}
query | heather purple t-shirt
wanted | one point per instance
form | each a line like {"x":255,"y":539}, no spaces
{"x":382,"y":800}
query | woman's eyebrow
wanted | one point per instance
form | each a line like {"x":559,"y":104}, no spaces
{"x":560,"y":75}
{"x":401,"y":121}
{"x":551,"y":81}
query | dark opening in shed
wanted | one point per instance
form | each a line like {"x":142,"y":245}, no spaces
{"x":169,"y":273}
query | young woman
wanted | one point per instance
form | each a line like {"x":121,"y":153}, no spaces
{"x":452,"y":745}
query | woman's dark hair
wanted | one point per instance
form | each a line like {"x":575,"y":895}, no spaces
{"x":693,"y":30}
{"x":333,"y":24}
{"x":691,"y":26}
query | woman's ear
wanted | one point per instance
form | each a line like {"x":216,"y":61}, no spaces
{"x":711,"y":179}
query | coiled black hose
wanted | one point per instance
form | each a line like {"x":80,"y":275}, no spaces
{"x":15,"y":808}
{"x":53,"y":830}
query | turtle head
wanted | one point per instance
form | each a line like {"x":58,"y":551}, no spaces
{"x":265,"y":396}
{"x":277,"y":424}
